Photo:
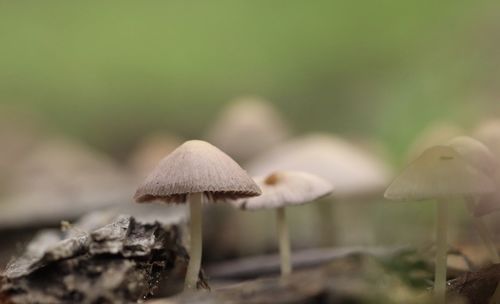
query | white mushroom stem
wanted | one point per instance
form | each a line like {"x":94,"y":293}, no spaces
{"x":484,"y":235}
{"x":195,"y":250}
{"x":441,"y":251}
{"x":284,"y":241}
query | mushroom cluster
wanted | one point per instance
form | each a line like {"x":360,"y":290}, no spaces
{"x":459,"y":168}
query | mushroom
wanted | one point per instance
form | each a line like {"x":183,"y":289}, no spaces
{"x":436,"y":133}
{"x":248,"y":126}
{"x":488,"y":132}
{"x":61,"y":178}
{"x":354,"y":172}
{"x":478,"y":155}
{"x":150,"y":151}
{"x":195,"y":171}
{"x":279,"y":190}
{"x":440,"y":173}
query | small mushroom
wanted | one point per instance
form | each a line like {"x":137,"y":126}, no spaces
{"x":150,"y":151}
{"x":478,"y":155}
{"x":353,"y":171}
{"x":192,"y":172}
{"x":440,"y":173}
{"x":279,"y":190}
{"x":356,"y":173}
{"x":248,"y":126}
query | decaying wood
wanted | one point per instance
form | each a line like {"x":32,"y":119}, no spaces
{"x":477,"y":287}
{"x":121,"y":262}
{"x":126,"y":261}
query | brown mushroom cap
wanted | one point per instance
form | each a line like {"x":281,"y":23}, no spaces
{"x":284,"y":188}
{"x":196,"y":166}
{"x":438,"y":173}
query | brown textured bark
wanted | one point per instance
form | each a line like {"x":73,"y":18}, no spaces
{"x":119,"y":263}
{"x":477,"y":287}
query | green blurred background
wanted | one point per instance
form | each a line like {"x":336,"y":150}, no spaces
{"x":110,"y":72}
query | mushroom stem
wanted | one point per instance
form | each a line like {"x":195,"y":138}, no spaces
{"x":484,"y":235}
{"x":284,"y":242}
{"x":441,"y":251}
{"x":195,"y":250}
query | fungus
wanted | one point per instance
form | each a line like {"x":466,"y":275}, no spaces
{"x":488,"y":133}
{"x":434,"y":134}
{"x":61,"y":178}
{"x":355,"y":173}
{"x":478,"y":155}
{"x":442,"y":174}
{"x":279,"y":190}
{"x":248,"y":126}
{"x":195,"y":171}
{"x":150,"y":151}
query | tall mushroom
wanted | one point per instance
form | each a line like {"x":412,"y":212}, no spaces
{"x":279,"y":190}
{"x":442,"y":174}
{"x":478,"y":155}
{"x":192,"y":172}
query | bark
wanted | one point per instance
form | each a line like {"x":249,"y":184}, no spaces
{"x":122,"y":262}
{"x":477,"y":287}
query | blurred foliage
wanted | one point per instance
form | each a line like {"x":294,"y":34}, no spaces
{"x":110,"y":72}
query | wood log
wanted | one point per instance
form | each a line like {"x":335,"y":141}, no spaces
{"x":122,"y":262}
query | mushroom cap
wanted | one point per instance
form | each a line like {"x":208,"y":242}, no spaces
{"x":352,"y":170}
{"x":438,"y":173}
{"x":247,"y":127}
{"x":150,"y":151}
{"x":283,"y":188}
{"x":196,"y":167}
{"x":488,"y":133}
{"x":434,"y":134}
{"x":476,"y":153}
{"x":61,"y":178}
